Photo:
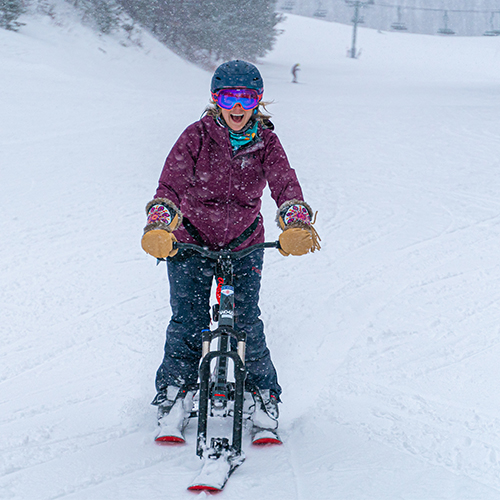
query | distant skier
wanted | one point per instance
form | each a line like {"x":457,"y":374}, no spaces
{"x":295,"y":70}
{"x":209,"y":193}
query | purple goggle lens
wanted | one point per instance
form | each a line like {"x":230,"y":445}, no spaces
{"x":228,"y":98}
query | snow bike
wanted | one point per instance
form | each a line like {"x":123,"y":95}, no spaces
{"x":218,"y":396}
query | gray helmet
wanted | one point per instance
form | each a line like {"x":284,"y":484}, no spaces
{"x":237,"y":74}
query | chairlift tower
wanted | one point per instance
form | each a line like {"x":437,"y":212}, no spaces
{"x":357,"y":19}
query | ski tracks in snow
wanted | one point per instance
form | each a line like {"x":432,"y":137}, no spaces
{"x":467,"y":444}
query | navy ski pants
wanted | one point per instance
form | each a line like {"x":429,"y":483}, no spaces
{"x":190,"y":276}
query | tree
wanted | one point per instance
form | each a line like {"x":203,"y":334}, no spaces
{"x":104,"y":14}
{"x":244,"y":29}
{"x":210,"y":31}
{"x":10,"y":10}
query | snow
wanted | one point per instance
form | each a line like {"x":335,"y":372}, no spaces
{"x":386,"y":341}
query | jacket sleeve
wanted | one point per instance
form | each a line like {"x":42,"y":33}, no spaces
{"x":178,"y":171}
{"x":280,"y":176}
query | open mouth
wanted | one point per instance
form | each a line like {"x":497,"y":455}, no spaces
{"x":237,"y":118}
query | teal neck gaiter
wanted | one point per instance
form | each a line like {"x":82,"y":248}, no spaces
{"x":245,"y":136}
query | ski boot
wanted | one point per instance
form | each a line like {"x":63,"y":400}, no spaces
{"x":174,"y":409}
{"x":265,"y":418}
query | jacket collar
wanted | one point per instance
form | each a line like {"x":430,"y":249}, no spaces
{"x":220,"y":134}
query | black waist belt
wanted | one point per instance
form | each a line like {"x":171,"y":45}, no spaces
{"x":193,"y":232}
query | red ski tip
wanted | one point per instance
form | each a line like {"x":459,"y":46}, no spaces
{"x":204,"y":487}
{"x":266,"y":441}
{"x":170,"y":440}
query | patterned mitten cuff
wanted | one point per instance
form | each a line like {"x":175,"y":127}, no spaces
{"x":162,"y":214}
{"x":294,"y":213}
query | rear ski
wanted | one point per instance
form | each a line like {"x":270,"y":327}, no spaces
{"x":170,"y":434}
{"x":265,"y":437}
{"x":173,"y":424}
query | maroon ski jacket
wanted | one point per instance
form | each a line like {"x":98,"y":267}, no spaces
{"x":219,"y":191}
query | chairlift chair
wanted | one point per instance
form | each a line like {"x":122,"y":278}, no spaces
{"x":445,"y":30}
{"x":399,"y":25}
{"x":288,"y":5}
{"x":492,"y":31}
{"x":320,"y":12}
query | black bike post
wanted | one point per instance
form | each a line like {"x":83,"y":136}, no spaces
{"x":224,"y":270}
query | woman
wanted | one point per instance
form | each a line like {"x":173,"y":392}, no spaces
{"x":209,"y":193}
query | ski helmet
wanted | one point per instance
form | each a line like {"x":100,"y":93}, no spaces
{"x":237,"y":74}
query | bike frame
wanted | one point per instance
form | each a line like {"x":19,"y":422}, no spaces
{"x":219,"y":392}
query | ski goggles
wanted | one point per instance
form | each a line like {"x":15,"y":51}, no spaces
{"x":228,"y":98}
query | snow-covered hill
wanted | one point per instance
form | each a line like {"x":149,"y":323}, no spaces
{"x":386,"y":341}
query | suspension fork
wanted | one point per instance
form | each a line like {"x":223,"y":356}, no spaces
{"x":239,"y":375}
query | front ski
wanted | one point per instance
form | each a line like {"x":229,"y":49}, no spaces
{"x":213,"y":475}
{"x":263,"y":437}
{"x":219,"y":462}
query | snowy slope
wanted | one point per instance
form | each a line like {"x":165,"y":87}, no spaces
{"x":386,"y":341}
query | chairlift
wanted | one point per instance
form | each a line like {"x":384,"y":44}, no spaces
{"x":320,"y":12}
{"x":445,"y":30}
{"x":492,"y":31}
{"x":399,"y":25}
{"x":288,"y":5}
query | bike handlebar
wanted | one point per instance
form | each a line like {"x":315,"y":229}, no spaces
{"x":215,"y":254}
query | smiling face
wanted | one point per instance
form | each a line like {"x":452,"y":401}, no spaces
{"x":237,"y":117}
